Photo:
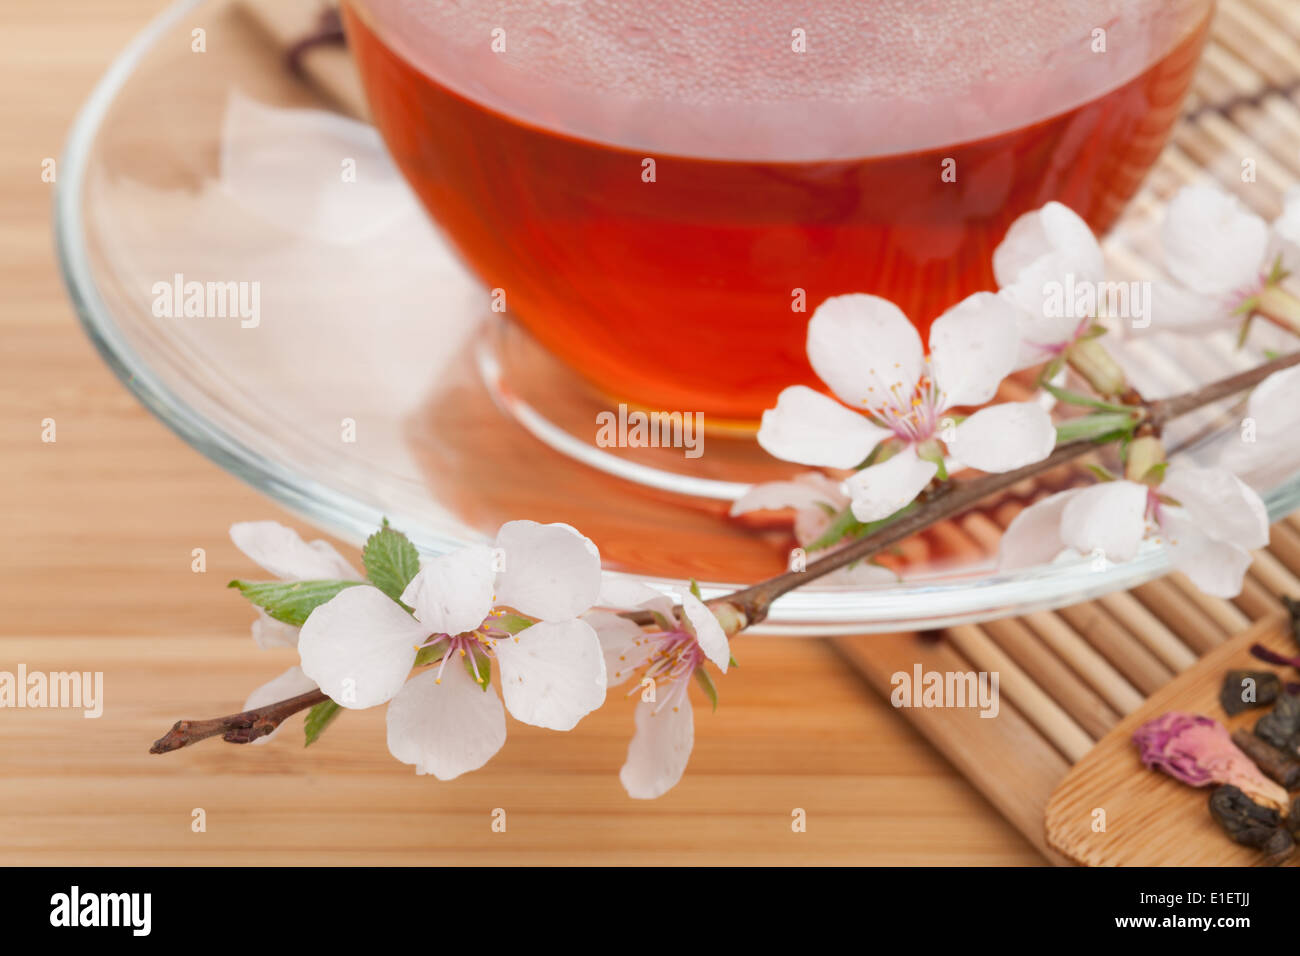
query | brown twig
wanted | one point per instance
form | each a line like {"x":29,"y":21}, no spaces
{"x":241,"y":728}
{"x":1165,"y":410}
{"x":754,"y":602}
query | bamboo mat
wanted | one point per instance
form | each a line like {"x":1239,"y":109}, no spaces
{"x":1069,"y":676}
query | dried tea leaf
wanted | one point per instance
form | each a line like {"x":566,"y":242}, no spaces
{"x":1243,"y":690}
{"x":1281,"y":726}
{"x":1277,"y":764}
{"x":1250,"y":824}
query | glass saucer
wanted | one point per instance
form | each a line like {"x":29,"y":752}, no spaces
{"x":376,"y":381}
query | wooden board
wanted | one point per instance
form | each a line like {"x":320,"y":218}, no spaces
{"x":1152,"y":819}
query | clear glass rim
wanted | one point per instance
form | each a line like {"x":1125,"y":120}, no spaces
{"x":811,"y":612}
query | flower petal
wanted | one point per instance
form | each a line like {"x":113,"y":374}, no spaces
{"x":268,"y":632}
{"x":289,"y":684}
{"x":809,"y":428}
{"x":863,"y":574}
{"x":1004,"y":437}
{"x":708,"y":632}
{"x":1109,"y":518}
{"x":877,"y":492}
{"x":623,"y":593}
{"x":282,"y":551}
{"x":799,"y":493}
{"x":973,"y":347}
{"x":552,"y":674}
{"x":1286,"y":231}
{"x":360,"y":646}
{"x":448,"y":728}
{"x":1212,"y":242}
{"x":623,"y":644}
{"x":811,"y":523}
{"x":282,"y":165}
{"x":1034,"y":535}
{"x":1216,"y":568}
{"x":1273,"y":453}
{"x":1182,"y":311}
{"x":1275,"y":402}
{"x":660,"y":749}
{"x":1046,"y":322}
{"x":453,"y":592}
{"x":865,"y":349}
{"x":1055,"y":231}
{"x":1223,"y":506}
{"x":551,"y":571}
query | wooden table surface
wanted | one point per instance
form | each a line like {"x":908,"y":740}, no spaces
{"x":95,"y":574}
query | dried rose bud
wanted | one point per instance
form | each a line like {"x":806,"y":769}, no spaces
{"x":1199,"y":752}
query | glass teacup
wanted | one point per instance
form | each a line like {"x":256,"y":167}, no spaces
{"x":661,"y":193}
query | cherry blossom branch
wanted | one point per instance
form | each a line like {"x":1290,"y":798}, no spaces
{"x":241,"y":728}
{"x":750,"y":605}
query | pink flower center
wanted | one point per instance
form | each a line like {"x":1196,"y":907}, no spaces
{"x":1155,"y":506}
{"x":1237,"y":297}
{"x":1055,"y":349}
{"x":478,"y":645}
{"x":669,"y":656}
{"x":912,"y":417}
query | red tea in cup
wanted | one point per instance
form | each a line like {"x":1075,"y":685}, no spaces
{"x":664,"y":195}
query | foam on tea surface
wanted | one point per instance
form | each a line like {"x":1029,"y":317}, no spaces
{"x":721,"y":78}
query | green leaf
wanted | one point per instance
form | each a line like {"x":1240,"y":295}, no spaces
{"x":1155,"y":474}
{"x":430,"y":655}
{"x":704,"y":680}
{"x":841,"y":527}
{"x":513,"y":623}
{"x":318,"y":718}
{"x":1244,"y":332}
{"x":847,"y":526}
{"x":875,"y":455}
{"x":474,"y":661}
{"x":290,"y":601}
{"x":932,"y":452}
{"x":391,"y":561}
{"x":695,"y":589}
{"x":1247,"y":306}
{"x":731,"y":662}
{"x":1102,"y":473}
{"x":1051,"y":369}
{"x":1088,"y":401}
{"x":1278,"y":272}
{"x":1099,"y":427}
